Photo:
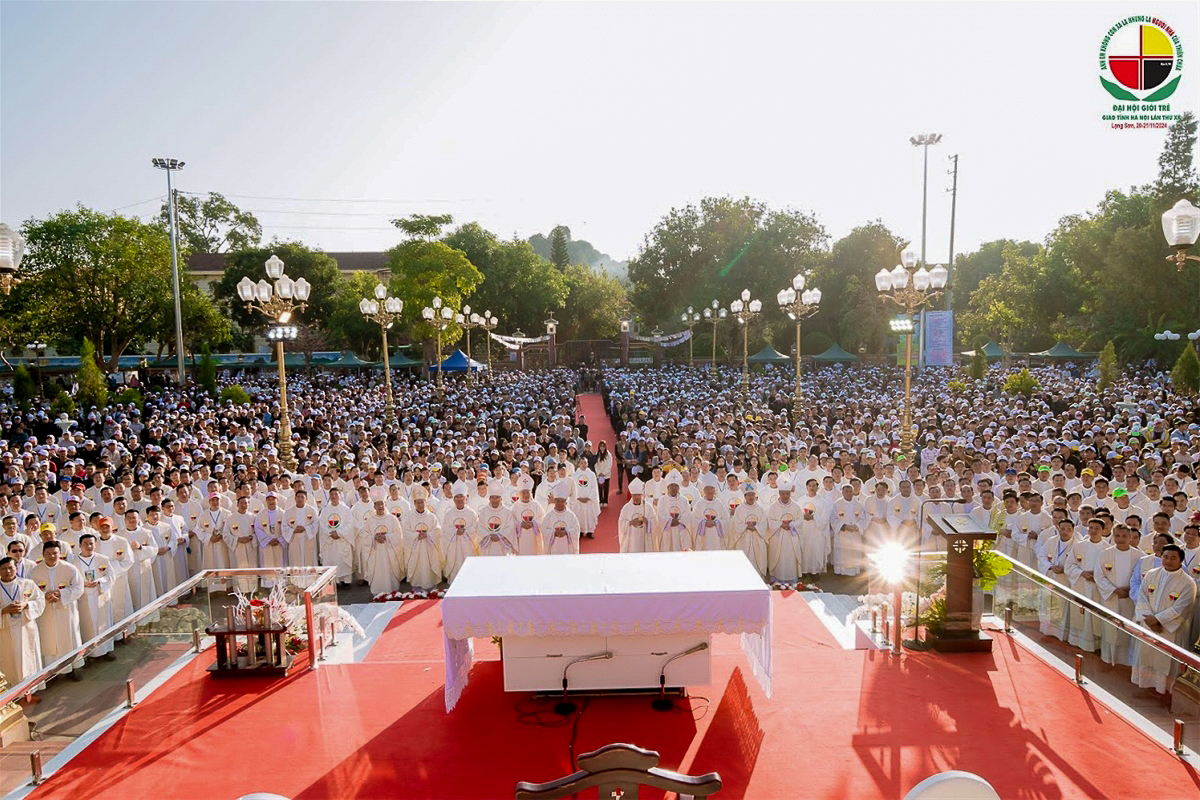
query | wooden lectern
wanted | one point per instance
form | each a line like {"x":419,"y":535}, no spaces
{"x":961,"y":532}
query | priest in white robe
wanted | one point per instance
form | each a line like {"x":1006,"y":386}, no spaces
{"x":1117,"y":563}
{"x":62,"y":585}
{"x":1082,"y":569}
{"x":1164,"y":605}
{"x":498,"y":524}
{"x":243,"y":552}
{"x":383,"y":553}
{"x":1054,"y":613}
{"x":527,"y":514}
{"x":783,"y":536}
{"x":560,"y":527}
{"x":335,"y":544}
{"x":814,"y":530}
{"x":21,"y":604}
{"x":120,"y":558}
{"x":673,"y":522}
{"x":300,"y":531}
{"x":710,"y":516}
{"x":422,"y":535}
{"x":145,"y":544}
{"x":585,"y":500}
{"x":633,"y":523}
{"x":95,"y":607}
{"x":268,"y":534}
{"x":211,"y":531}
{"x":460,"y":533}
{"x":748,"y":530}
{"x":846,"y":519}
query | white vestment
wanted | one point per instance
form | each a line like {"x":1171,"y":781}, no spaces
{"x":58,"y":626}
{"x":95,"y":607}
{"x":1169,"y":596}
{"x":20,"y":642}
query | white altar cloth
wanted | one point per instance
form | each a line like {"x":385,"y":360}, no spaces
{"x":607,"y":594}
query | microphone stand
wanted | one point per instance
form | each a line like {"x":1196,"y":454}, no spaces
{"x":565,"y":708}
{"x":662,"y":702}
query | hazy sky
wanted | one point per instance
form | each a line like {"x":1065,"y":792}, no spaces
{"x":600,"y":116}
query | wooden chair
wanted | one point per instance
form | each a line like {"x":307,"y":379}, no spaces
{"x":616,"y":771}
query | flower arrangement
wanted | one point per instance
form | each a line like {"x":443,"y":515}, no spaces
{"x":391,"y":597}
{"x":795,"y":586}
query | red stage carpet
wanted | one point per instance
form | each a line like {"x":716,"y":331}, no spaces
{"x":841,"y":724}
{"x":591,"y":406}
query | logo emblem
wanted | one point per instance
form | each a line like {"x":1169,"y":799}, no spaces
{"x":1141,"y":60}
{"x":960,"y":545}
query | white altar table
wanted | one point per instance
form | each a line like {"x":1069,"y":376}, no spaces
{"x":641,"y":608}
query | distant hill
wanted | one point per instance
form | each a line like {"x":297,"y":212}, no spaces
{"x":583,"y":253}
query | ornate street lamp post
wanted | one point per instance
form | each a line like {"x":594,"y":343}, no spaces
{"x":745,"y":311}
{"x":715,"y":315}
{"x":439,"y":316}
{"x":1181,"y":226}
{"x":911,"y":291}
{"x":691,"y":318}
{"x":385,"y":310}
{"x":488,"y":322}
{"x":799,"y":303}
{"x":278,"y":301}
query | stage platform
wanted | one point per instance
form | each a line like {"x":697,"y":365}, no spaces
{"x":843,"y":723}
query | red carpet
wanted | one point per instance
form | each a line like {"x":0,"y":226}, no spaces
{"x":841,"y":724}
{"x":591,"y":406}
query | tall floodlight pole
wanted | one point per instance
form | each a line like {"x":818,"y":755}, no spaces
{"x":923,"y":141}
{"x":171,"y":165}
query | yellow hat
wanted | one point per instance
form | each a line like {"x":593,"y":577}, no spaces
{"x":48,"y":527}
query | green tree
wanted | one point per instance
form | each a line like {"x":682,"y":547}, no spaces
{"x":24,"y":389}
{"x":93,"y":388}
{"x":971,"y":268}
{"x":1185,"y":376}
{"x":852,"y":311}
{"x":300,"y":261}
{"x":211,"y":224}
{"x":348,"y":328}
{"x":560,"y":257}
{"x":1108,"y":367}
{"x":423,"y":226}
{"x":1023,"y":383}
{"x":979,"y":364}
{"x":422,"y":270}
{"x":206,"y":372}
{"x":595,"y":304}
{"x":103,"y":276}
{"x":519,"y":287}
{"x":203,"y":321}
{"x":717,"y":249}
{"x":1176,"y":170}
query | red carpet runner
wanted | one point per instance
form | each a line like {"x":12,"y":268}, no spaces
{"x":591,"y":406}
{"x":842,"y":724}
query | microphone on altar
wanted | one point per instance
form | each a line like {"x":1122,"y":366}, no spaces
{"x":566,"y":708}
{"x":661,"y":703}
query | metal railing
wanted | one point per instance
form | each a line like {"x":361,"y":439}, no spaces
{"x":1185,"y":657}
{"x":324,"y":576}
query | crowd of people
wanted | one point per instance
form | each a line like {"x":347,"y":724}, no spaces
{"x":1094,"y":489}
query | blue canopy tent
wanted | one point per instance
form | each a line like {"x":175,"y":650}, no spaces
{"x":458,"y":362}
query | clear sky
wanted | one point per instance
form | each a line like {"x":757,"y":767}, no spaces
{"x":600,"y":116}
